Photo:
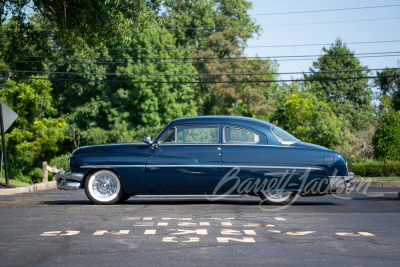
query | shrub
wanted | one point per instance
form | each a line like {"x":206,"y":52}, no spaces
{"x":386,"y":140}
{"x":60,"y":161}
{"x":374,"y":168}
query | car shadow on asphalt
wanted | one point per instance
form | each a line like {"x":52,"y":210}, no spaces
{"x":187,"y":202}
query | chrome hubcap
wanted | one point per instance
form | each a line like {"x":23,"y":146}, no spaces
{"x":278,"y":195}
{"x":104,"y":185}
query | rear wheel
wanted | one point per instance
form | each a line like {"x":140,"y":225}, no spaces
{"x":277,"y":197}
{"x":103,"y":187}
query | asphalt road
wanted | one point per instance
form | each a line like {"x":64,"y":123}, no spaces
{"x":53,"y":227}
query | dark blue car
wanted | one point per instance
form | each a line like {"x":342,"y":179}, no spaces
{"x":212,"y":156}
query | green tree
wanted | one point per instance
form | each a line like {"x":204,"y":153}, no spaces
{"x":78,"y":24}
{"x":386,"y":140}
{"x":310,"y":120}
{"x":35,"y":136}
{"x":118,"y":111}
{"x":350,"y":97}
{"x":390,"y":85}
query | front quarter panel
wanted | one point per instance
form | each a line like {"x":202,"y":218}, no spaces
{"x":127,"y":160}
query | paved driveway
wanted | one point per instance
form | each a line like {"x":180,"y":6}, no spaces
{"x":62,"y":228}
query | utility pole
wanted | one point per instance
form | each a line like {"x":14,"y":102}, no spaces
{"x":3,"y":144}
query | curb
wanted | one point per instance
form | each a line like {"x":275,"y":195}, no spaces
{"x":378,"y":184}
{"x":28,"y":189}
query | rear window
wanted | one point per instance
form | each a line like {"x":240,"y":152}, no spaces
{"x":283,"y":136}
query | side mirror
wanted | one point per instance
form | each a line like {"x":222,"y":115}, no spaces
{"x":147,"y":140}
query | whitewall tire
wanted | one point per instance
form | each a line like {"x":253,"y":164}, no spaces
{"x":103,"y":187}
{"x":277,"y":198}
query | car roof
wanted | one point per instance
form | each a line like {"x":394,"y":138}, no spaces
{"x":221,"y":119}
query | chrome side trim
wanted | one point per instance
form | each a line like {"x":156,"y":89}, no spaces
{"x":197,"y":166}
{"x":183,"y":166}
{"x":184,"y":196}
{"x":111,"y":166}
{"x":233,"y":166}
{"x":273,"y":167}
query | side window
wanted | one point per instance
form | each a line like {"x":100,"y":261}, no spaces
{"x":169,"y":137}
{"x":197,"y":134}
{"x":239,"y":135}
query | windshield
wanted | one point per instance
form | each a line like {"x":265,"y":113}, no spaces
{"x":283,"y":136}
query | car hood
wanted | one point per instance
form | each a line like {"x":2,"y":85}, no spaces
{"x":99,"y":149}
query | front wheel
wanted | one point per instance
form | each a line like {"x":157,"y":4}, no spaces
{"x":277,"y":197}
{"x":103,"y":187}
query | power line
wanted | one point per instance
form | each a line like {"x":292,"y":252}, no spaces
{"x":181,"y":62}
{"x":321,"y":10}
{"x":189,"y":74}
{"x":202,"y":82}
{"x":291,"y":24}
{"x":190,"y":58}
{"x":219,"y":47}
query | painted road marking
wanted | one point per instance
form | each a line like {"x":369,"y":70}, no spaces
{"x":187,"y":224}
{"x":230,"y":232}
{"x":162,"y":224}
{"x":70,"y":233}
{"x":347,"y":234}
{"x":144,"y":224}
{"x":102,"y":232}
{"x":131,"y":218}
{"x":270,"y":225}
{"x":204,"y":224}
{"x":150,"y":232}
{"x":353,"y":234}
{"x":252,"y":225}
{"x":179,"y":219}
{"x":185,"y":232}
{"x":249,"y":232}
{"x":366,"y":234}
{"x":274,"y":231}
{"x":280,"y":219}
{"x":147,"y":218}
{"x":226,"y":223}
{"x":300,"y":233}
{"x":244,"y":239}
{"x":175,"y":239}
{"x":222,"y":219}
{"x":51,"y":233}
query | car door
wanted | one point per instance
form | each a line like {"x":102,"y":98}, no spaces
{"x":186,"y":160}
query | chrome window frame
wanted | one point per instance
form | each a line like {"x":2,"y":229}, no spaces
{"x":283,"y":142}
{"x":194,"y":125}
{"x":242,"y":128}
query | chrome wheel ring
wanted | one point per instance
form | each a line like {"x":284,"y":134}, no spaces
{"x":104,"y":186}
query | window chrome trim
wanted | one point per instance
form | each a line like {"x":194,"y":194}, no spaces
{"x":242,"y":128}
{"x":193,"y":125}
{"x":283,"y":142}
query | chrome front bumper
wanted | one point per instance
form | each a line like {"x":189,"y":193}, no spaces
{"x":341,"y":184}
{"x":69,"y":180}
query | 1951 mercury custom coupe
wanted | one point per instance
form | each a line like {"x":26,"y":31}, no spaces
{"x":209,"y":156}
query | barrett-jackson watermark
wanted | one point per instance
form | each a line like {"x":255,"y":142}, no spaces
{"x":335,"y":185}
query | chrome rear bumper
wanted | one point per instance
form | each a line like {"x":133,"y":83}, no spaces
{"x":341,"y":184}
{"x":69,"y":180}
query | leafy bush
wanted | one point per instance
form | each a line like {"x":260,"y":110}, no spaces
{"x":386,"y":140}
{"x":60,"y":161}
{"x":374,"y":168}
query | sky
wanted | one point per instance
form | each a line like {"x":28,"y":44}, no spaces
{"x":361,"y":31}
